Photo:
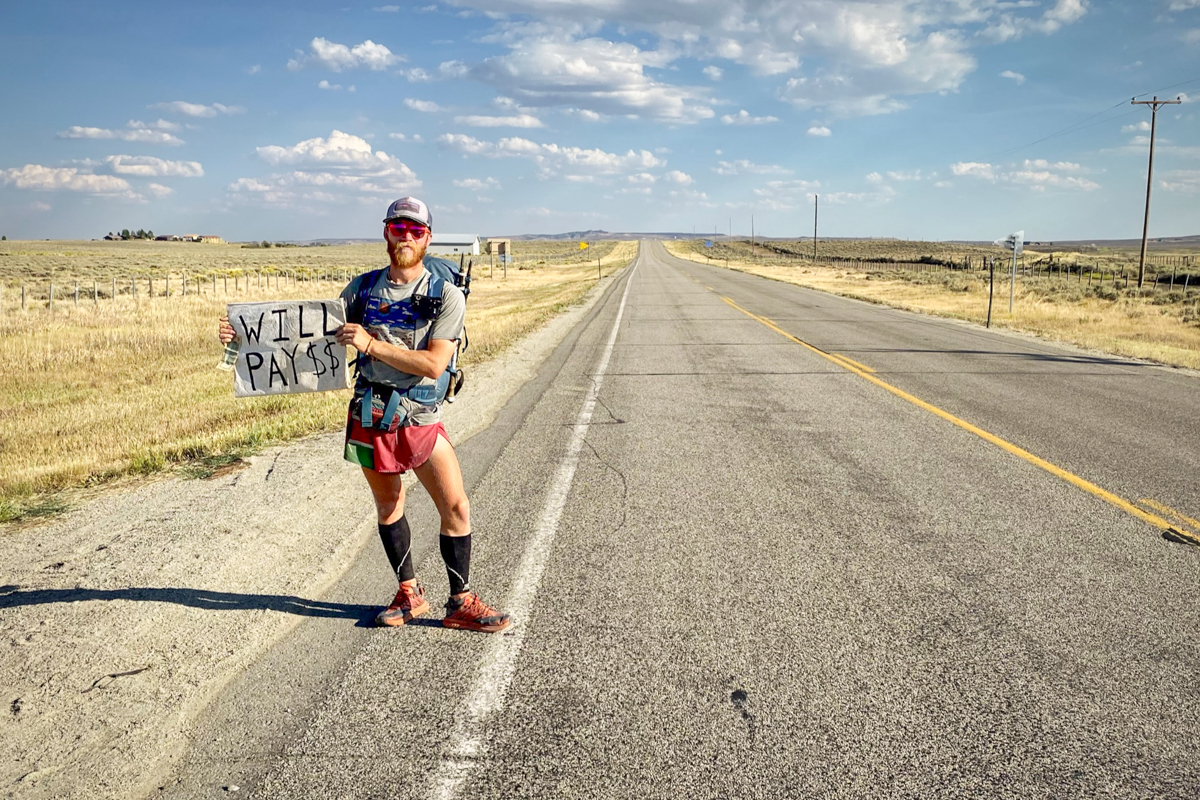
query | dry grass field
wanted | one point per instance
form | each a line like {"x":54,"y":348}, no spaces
{"x":108,"y":388}
{"x":1067,"y":304}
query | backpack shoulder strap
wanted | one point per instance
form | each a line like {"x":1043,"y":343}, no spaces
{"x":359,"y":305}
{"x":435,"y":285}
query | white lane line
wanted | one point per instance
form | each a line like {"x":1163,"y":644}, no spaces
{"x":499,"y":661}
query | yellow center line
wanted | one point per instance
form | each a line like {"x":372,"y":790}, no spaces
{"x":1057,"y":471}
{"x":853,"y":363}
{"x":1163,"y":508}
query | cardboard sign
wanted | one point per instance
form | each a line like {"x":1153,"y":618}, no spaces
{"x":286,"y":347}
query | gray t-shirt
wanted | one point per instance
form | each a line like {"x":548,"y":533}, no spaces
{"x":389,"y":316}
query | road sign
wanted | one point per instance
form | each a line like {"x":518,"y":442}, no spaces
{"x":1014,"y":242}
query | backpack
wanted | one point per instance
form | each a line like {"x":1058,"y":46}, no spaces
{"x":440,"y":271}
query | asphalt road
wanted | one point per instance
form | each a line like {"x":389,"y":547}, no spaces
{"x":742,"y":569}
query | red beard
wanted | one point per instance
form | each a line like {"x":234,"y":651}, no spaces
{"x":406,"y":253}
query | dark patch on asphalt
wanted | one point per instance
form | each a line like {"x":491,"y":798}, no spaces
{"x":740,"y":699}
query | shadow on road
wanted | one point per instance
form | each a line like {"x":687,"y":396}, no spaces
{"x":13,"y":596}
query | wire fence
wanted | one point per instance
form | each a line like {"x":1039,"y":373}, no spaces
{"x":1163,"y":272}
{"x":57,"y":293}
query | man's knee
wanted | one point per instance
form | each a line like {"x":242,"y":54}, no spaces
{"x":457,"y":513}
{"x":389,"y":509}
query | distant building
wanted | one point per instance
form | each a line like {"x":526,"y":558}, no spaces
{"x":453,"y":244}
{"x":211,"y":239}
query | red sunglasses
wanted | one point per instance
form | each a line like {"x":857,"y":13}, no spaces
{"x":415,"y":229}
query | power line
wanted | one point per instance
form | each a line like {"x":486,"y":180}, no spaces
{"x":1080,"y":125}
{"x":1169,"y":88}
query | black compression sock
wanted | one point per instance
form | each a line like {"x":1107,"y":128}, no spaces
{"x":456,"y":552}
{"x":397,"y":543}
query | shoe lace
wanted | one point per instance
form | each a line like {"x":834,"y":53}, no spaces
{"x":473,"y":606}
{"x":410,"y":593}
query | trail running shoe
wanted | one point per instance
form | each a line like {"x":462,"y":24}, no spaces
{"x":409,"y":603}
{"x":472,"y":614}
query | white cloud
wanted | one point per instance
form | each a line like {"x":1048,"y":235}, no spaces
{"x":134,"y":132}
{"x":874,"y":177}
{"x":517,"y":121}
{"x":1183,"y":5}
{"x":386,"y":9}
{"x":743,"y":117}
{"x":553,"y":159}
{"x":593,"y":74}
{"x":1185,"y":181}
{"x":400,"y":137}
{"x":326,"y":170}
{"x":198,"y":110}
{"x":849,"y":58}
{"x":1139,"y":126}
{"x":337,"y":57}
{"x":477,"y":185}
{"x":416,"y":75}
{"x":974,"y":169}
{"x":1016,"y":77}
{"x":744,"y":167}
{"x":68,"y":179}
{"x":158,"y":190}
{"x":150,"y":167}
{"x":785,"y":195}
{"x":452,"y":69}
{"x":425,"y":106}
{"x":1038,"y":174}
{"x":333,"y":87}
{"x":254,"y":70}
{"x":819,"y":130}
{"x":681,"y":178}
{"x":884,"y":195}
{"x":38,"y":205}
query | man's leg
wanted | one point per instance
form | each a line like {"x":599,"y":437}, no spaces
{"x":442,"y":478}
{"x":388,"y":491}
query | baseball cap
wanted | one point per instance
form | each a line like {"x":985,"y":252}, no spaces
{"x":410,"y":208}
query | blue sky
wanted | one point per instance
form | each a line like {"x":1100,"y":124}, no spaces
{"x":920,"y":119}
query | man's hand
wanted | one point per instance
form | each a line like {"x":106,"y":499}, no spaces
{"x":356,"y":336}
{"x":225,"y":331}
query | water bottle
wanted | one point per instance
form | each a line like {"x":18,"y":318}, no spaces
{"x":230,"y":356}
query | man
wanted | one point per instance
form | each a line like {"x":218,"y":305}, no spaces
{"x":405,"y":344}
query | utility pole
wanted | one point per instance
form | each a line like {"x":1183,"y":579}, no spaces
{"x":1154,"y":104}
{"x":816,"y":205}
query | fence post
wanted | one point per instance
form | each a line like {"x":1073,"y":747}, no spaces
{"x":168,"y":291}
{"x":185,"y":284}
{"x":226,"y":284}
{"x":77,"y":294}
{"x":114,"y":291}
{"x":133,"y":288}
{"x":51,"y":298}
{"x":95,"y":293}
